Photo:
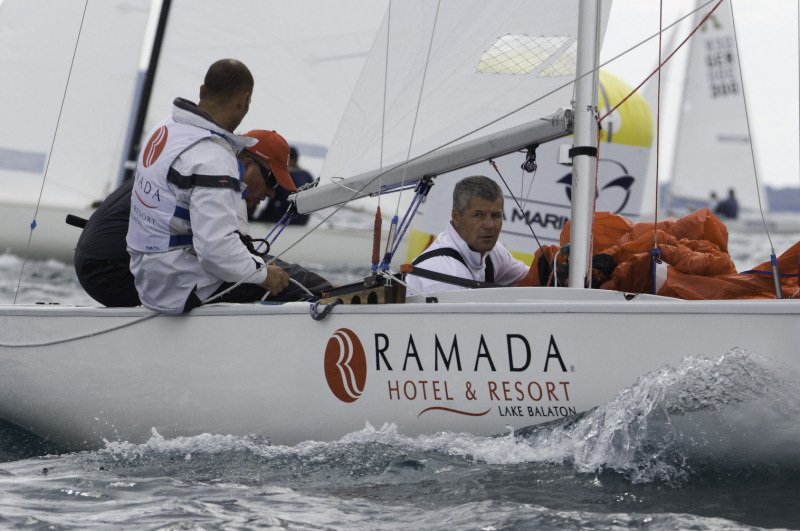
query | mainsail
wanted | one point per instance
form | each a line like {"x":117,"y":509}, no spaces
{"x":445,"y":73}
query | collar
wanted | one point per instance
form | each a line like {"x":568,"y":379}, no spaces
{"x":474,"y":259}
{"x":187,"y":112}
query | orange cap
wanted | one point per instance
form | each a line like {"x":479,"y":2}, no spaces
{"x":273,"y":148}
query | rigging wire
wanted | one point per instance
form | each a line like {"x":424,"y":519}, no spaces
{"x":52,"y":143}
{"x":661,"y":62}
{"x":773,"y":257}
{"x":389,"y":243}
{"x":658,"y":119}
{"x":514,"y":197}
{"x":385,"y":85}
{"x":376,"y":231}
{"x":749,"y":134}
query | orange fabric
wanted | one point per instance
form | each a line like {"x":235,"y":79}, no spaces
{"x":695,"y":248}
{"x":532,"y":278}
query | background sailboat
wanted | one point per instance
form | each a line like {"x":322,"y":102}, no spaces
{"x":305,"y":67}
{"x":37,"y":41}
{"x":713,"y":150}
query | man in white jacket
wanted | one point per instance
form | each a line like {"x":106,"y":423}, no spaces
{"x":182,"y":234}
{"x":467,"y":253}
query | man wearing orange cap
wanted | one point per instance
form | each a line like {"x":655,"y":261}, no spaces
{"x":102,"y":262}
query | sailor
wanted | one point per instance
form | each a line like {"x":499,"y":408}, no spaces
{"x":182,"y":234}
{"x":728,"y":208}
{"x":277,"y":205}
{"x":102,"y":262}
{"x":467,"y":254}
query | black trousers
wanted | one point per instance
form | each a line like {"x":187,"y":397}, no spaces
{"x":109,"y":282}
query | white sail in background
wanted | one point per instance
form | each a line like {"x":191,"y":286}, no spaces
{"x":305,"y":57}
{"x":37,"y":41}
{"x":712,"y":147}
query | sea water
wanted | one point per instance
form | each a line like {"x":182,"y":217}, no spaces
{"x":713,"y":443}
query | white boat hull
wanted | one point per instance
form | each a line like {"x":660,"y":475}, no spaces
{"x":535,"y":355}
{"x":54,"y":239}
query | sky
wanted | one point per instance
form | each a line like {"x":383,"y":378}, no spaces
{"x":768,"y":49}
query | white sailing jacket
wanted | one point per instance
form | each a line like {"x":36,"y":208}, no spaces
{"x":186,"y":195}
{"x":508,"y":271}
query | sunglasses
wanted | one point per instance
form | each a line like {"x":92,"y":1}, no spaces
{"x":269,"y":177}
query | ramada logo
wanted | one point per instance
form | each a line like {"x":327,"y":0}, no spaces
{"x":154,"y":146}
{"x":345,"y":365}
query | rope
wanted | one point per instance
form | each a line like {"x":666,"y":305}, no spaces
{"x":52,"y":143}
{"x":385,"y":85}
{"x":319,"y":316}
{"x":658,"y":130}
{"x":81,"y":336}
{"x":416,"y":117}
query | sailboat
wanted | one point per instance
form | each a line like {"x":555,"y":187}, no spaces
{"x":713,"y":154}
{"x":36,"y":59}
{"x":479,"y":361}
{"x":310,"y":69}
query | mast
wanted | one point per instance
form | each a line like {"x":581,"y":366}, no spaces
{"x":143,"y":100}
{"x":584,"y":151}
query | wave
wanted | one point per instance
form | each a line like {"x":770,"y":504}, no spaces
{"x":731,"y":411}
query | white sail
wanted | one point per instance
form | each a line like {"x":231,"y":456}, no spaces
{"x":305,"y":57}
{"x":464,"y":74}
{"x":539,"y":204}
{"x":713,"y":149}
{"x":37,"y":41}
{"x":451,"y":71}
